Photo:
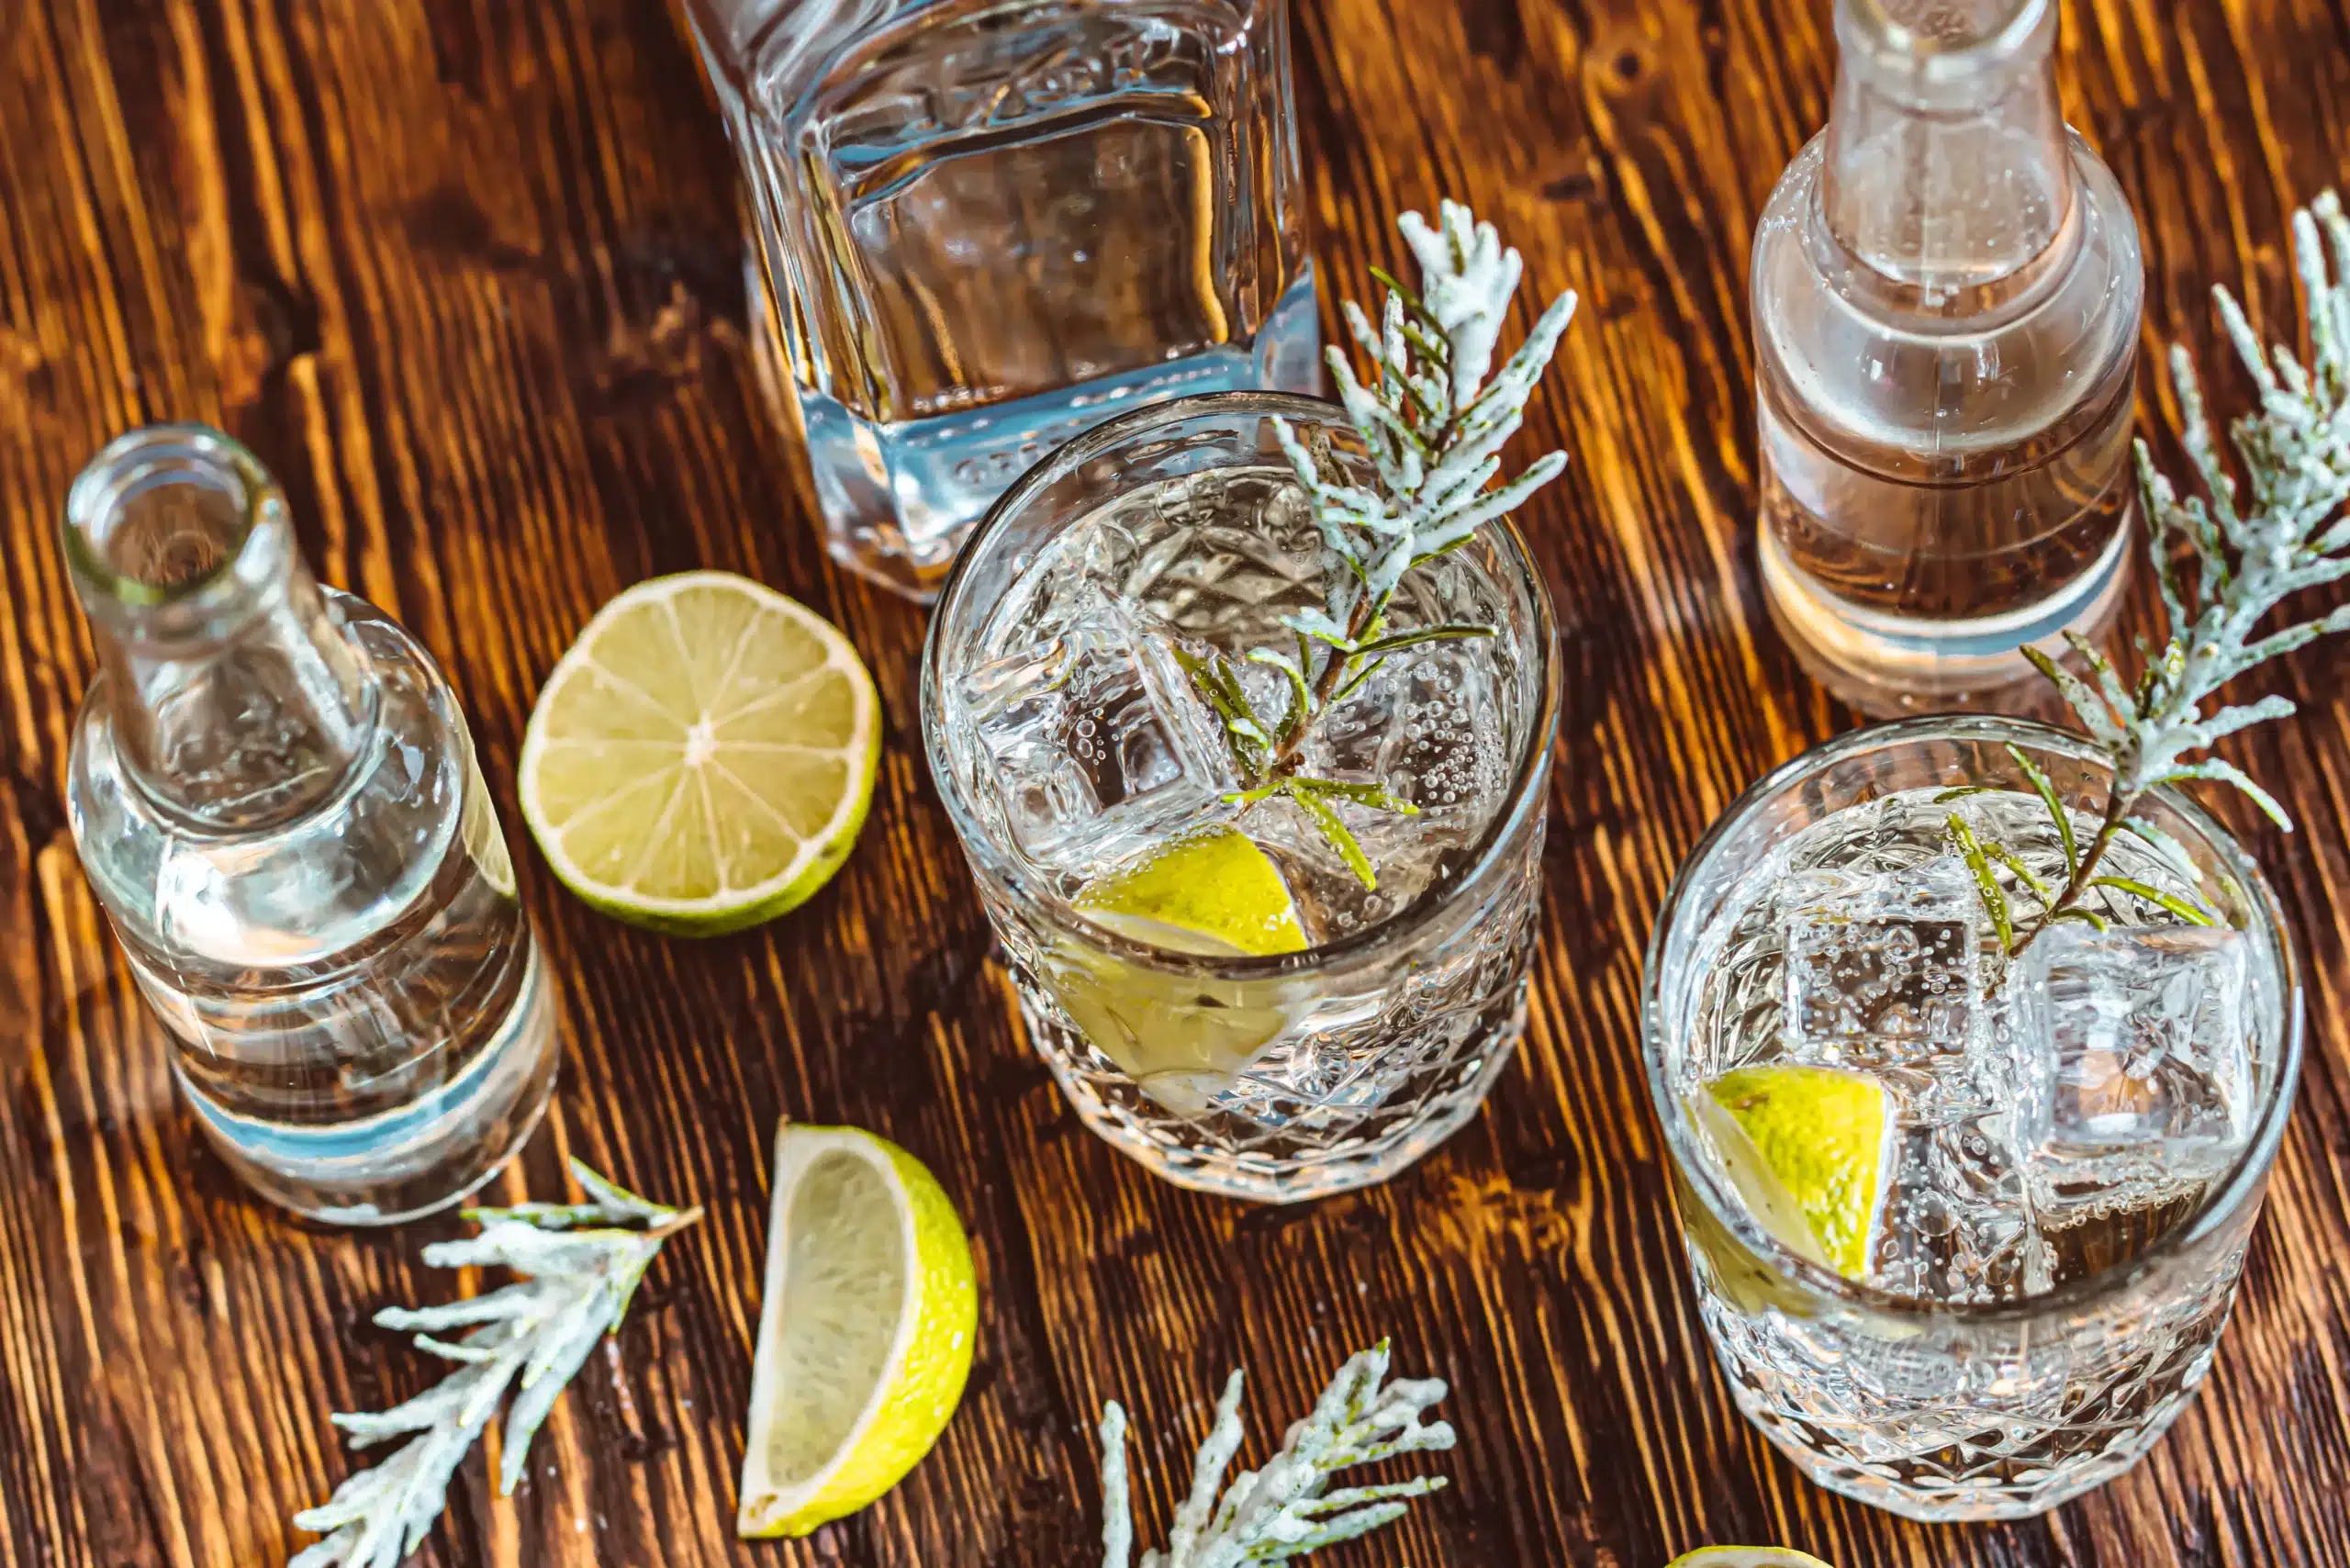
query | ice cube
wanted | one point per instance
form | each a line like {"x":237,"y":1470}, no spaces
{"x":1095,"y":739}
{"x":1426,"y":725}
{"x":2144,"y":1082}
{"x":1883,"y":975}
{"x":1958,"y":1224}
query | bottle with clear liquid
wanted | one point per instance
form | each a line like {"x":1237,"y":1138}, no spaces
{"x":979,"y":227}
{"x":1946,"y":288}
{"x":275,"y":796}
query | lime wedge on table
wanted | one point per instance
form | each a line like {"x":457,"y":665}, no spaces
{"x":1745,"y":1557}
{"x":702,"y":758}
{"x":1213,"y":894}
{"x":1810,"y":1150}
{"x":865,"y":1332}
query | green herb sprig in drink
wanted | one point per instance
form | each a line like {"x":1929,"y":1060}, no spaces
{"x":2245,"y":556}
{"x":1433,"y":425}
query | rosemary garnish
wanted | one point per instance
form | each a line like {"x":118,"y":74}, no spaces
{"x":584,"y":1263}
{"x":1434,"y":427}
{"x":2294,"y":449}
{"x":1286,"y":1509}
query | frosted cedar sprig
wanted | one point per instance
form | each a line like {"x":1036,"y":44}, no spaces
{"x":2246,"y":558}
{"x":583,"y":1262}
{"x":1434,"y":427}
{"x":1287,"y":1508}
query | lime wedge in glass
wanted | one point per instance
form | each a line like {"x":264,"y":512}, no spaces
{"x":1810,"y":1149}
{"x":1213,"y":892}
{"x":702,"y":758}
{"x":866,"y":1329}
{"x":1745,"y":1557}
{"x":1182,"y":1037}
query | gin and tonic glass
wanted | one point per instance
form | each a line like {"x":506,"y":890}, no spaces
{"x":2079,"y":1139}
{"x":1068,"y":744}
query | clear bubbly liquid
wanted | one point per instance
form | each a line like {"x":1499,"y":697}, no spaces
{"x":984,"y":230}
{"x":362,"y":1025}
{"x":1945,"y":1418}
{"x":1125,"y":754}
{"x":1086,"y":750}
{"x":1961,"y":1224}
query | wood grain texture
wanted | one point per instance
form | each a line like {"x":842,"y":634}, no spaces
{"x":466,"y":272}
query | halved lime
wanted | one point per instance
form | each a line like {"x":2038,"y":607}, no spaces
{"x":1745,"y":1557}
{"x":1213,"y":892}
{"x":865,"y":1334}
{"x":702,"y":758}
{"x":1810,"y":1149}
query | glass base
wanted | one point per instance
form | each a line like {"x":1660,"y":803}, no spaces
{"x":2016,"y":1489}
{"x":897,"y":500}
{"x":1325,"y":1147}
{"x":407,"y":1163}
{"x":1889,"y":667}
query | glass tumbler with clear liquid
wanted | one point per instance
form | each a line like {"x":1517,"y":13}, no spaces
{"x":1946,"y":290}
{"x":2075,"y":1139}
{"x":978,"y":227}
{"x":274,"y":797}
{"x":1070,"y":748}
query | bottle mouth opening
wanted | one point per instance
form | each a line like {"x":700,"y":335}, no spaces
{"x":163,"y":513}
{"x":1942,"y":41}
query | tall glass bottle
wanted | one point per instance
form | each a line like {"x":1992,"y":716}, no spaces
{"x":1946,"y":292}
{"x":274,"y":794}
{"x":979,"y":227}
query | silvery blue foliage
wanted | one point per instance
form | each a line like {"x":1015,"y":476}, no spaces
{"x":2224,"y":559}
{"x":1433,"y":425}
{"x":1433,"y":418}
{"x":2295,"y":451}
{"x":581,"y":1262}
{"x":1288,"y":1509}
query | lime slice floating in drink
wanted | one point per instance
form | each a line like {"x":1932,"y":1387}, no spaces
{"x":1181,"y":1036}
{"x":702,"y":758}
{"x":1212,"y":892}
{"x":1810,"y":1149}
{"x":1745,"y":1557}
{"x":866,"y":1330}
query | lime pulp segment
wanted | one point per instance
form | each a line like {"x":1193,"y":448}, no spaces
{"x":1810,"y":1150}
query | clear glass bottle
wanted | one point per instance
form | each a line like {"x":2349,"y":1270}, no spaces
{"x":274,"y":794}
{"x":1946,"y":294}
{"x":981,"y":227}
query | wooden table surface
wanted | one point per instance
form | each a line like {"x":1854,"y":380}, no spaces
{"x":467,"y":275}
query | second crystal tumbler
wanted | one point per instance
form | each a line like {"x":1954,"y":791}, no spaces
{"x":1076,"y":756}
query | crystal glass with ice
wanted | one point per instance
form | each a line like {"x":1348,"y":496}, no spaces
{"x":1069,"y":743}
{"x":2079,"y":1140}
{"x":979,"y":227}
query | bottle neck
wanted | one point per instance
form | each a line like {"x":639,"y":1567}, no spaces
{"x":237,"y":701}
{"x":1947,"y":167}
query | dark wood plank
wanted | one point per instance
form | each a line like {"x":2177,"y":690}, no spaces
{"x":468,"y":275}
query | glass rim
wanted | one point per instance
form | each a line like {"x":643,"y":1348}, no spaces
{"x":2221,"y":1199}
{"x":1526,"y":791}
